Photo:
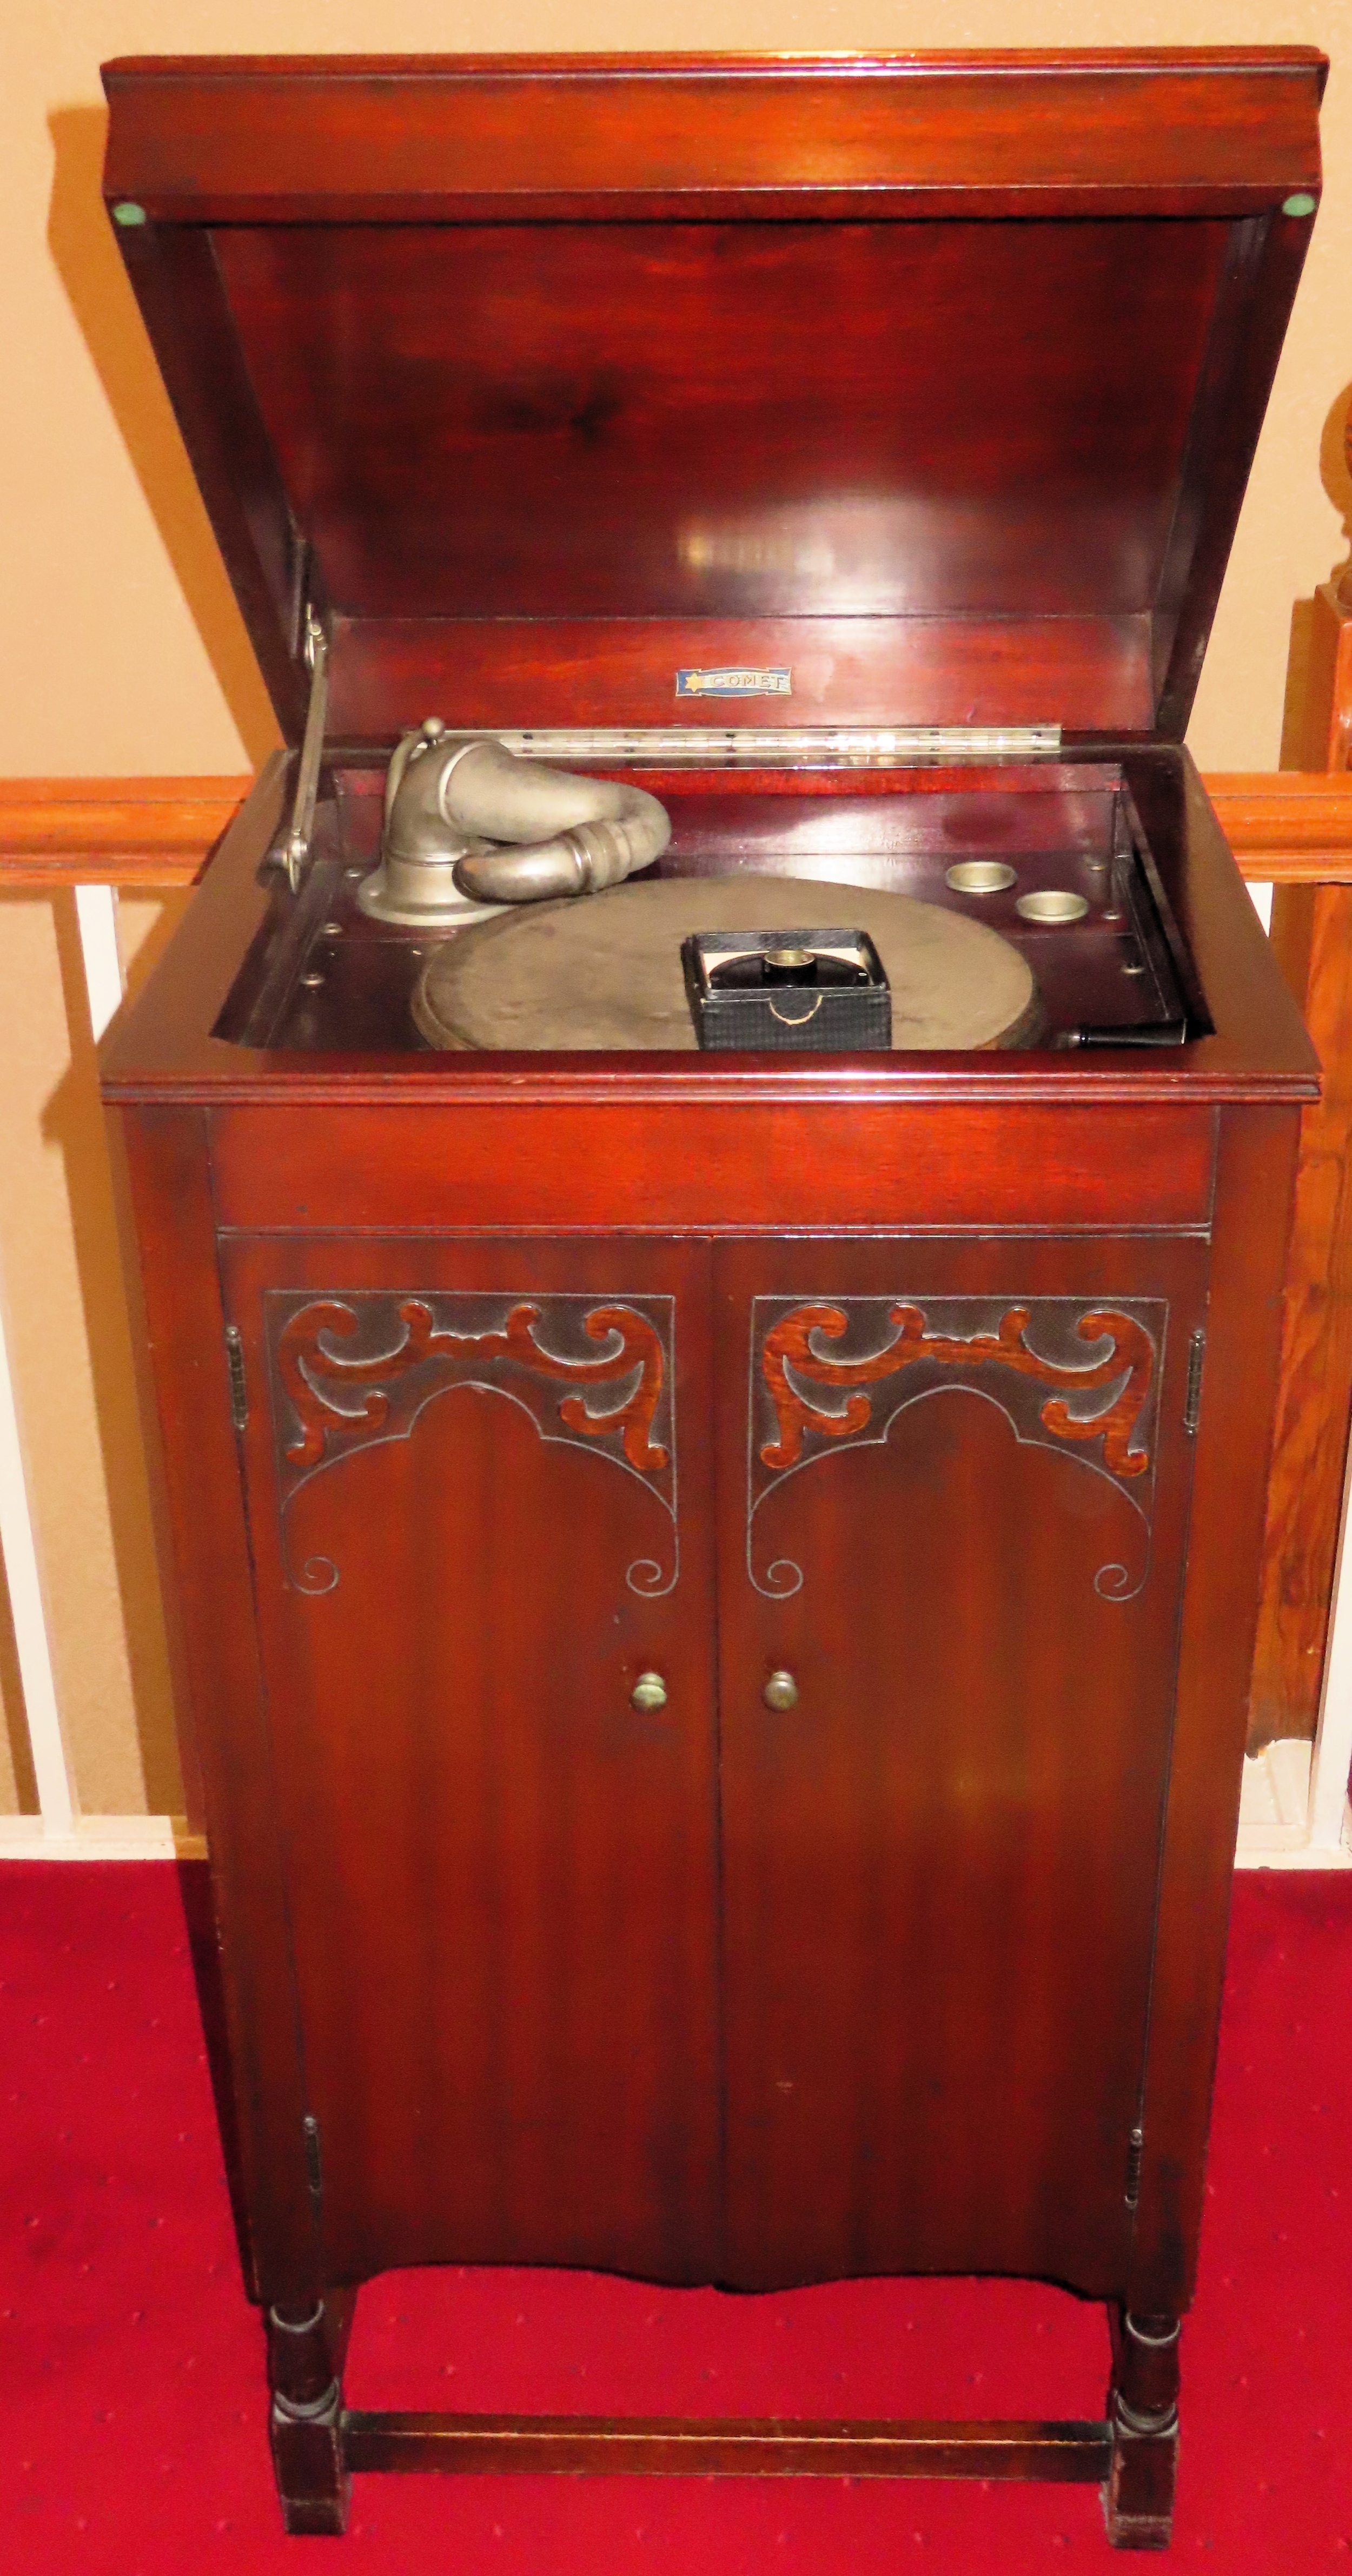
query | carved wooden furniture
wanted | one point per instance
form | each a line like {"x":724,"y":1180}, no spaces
{"x":716,"y":1593}
{"x":1312,"y":938}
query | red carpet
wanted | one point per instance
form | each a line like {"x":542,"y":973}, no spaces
{"x":131,"y":2369}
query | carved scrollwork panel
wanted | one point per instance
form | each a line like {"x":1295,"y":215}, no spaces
{"x":1068,"y":1375}
{"x":357,"y":1366}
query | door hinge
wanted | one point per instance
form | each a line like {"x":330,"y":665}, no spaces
{"x":1135,"y":2151}
{"x":234,"y":1360}
{"x":314,"y":2171}
{"x":1196,"y":1356}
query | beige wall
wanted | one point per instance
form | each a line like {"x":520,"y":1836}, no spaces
{"x":121,"y":651}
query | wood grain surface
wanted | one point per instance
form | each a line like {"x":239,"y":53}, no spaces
{"x":687,"y":1839}
{"x":1312,"y":942}
{"x":624,"y":2446}
{"x":206,"y":1567}
{"x":1289,"y":827}
{"x":486,"y":1838}
{"x":1237,"y":1399}
{"x":872,"y":1825}
{"x":648,"y":453}
{"x":383,"y":135}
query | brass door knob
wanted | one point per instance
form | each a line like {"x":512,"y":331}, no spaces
{"x":781,"y":1691}
{"x":649,"y":1693}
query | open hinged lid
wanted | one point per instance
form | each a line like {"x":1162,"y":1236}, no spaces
{"x":863,"y":391}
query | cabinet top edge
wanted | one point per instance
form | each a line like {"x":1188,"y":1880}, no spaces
{"x":941,"y":1082}
{"x":748,"y":62}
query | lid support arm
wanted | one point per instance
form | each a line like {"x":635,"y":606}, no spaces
{"x":296,"y":850}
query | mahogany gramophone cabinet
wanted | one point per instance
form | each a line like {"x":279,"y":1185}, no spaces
{"x":716,"y":1592}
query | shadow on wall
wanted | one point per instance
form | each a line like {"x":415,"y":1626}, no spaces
{"x":82,"y":246}
{"x":85,"y":254}
{"x":1299,"y":718}
{"x":72,"y":1121}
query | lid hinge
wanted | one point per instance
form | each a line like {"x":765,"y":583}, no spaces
{"x":293,"y":853}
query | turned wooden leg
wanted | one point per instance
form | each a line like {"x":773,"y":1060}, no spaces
{"x":1138,"y":2500}
{"x":306,"y":2346}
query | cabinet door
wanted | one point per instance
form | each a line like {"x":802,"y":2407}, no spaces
{"x":953,"y":1508}
{"x":470,"y":1541}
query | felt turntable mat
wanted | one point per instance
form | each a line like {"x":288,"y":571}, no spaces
{"x":604,"y":971}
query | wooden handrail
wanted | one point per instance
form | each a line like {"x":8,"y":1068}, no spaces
{"x":148,"y":834}
{"x":1286,"y":825}
{"x":142,"y":833}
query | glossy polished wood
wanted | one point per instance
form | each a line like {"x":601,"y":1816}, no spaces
{"x":224,"y":1720}
{"x":703,"y":346}
{"x":461,"y":1692}
{"x":1327,"y":741}
{"x":1138,"y":2501}
{"x":307,"y":2344}
{"x":454,"y":1740}
{"x":196,"y":135}
{"x":1291,"y":827}
{"x":1237,"y":1397}
{"x":814,"y":409}
{"x":1256,"y":1037}
{"x":675,"y":2447}
{"x":1031,"y":1159}
{"x":1287,"y":827}
{"x":1312,"y":939}
{"x":906,"y":1789}
{"x":575,"y":1401}
{"x":139,"y":833}
{"x":858,"y":670}
{"x":734,"y":1165}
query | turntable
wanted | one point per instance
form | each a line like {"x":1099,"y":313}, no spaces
{"x":717,"y":1588}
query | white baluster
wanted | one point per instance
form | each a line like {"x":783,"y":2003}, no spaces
{"x":96,"y":912}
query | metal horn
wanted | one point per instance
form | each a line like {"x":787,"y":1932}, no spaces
{"x":470,"y":825}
